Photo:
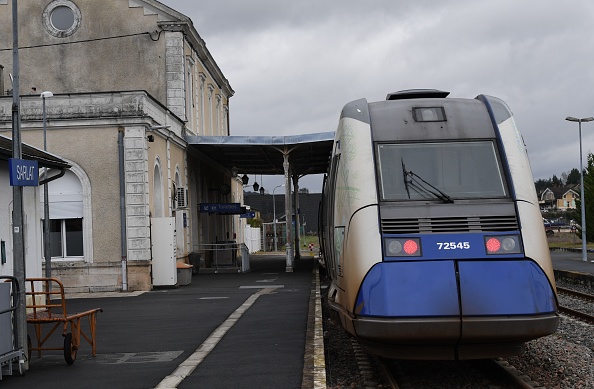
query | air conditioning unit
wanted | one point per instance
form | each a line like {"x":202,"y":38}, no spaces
{"x":181,"y":198}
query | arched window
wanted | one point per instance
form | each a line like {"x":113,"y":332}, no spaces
{"x":176,"y":185}
{"x":158,"y":190}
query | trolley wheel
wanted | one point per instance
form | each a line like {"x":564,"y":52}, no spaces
{"x":22,"y":369}
{"x":69,"y":350}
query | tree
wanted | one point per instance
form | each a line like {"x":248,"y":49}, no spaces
{"x":303,"y":190}
{"x":255,"y":223}
{"x":541,"y":184}
{"x":588,"y":198}
{"x":573,"y":177}
{"x":564,"y":178}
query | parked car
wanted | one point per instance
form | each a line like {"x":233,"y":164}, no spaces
{"x":558,"y":222}
{"x":548,"y":227}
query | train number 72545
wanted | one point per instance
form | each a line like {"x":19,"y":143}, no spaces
{"x":453,"y":245}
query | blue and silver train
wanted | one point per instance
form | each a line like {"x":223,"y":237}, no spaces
{"x":431,"y":232}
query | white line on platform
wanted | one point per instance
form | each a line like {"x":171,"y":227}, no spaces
{"x":189,"y":365}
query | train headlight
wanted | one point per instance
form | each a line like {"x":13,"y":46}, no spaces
{"x":503,"y":244}
{"x":429,"y":114}
{"x":402,"y":247}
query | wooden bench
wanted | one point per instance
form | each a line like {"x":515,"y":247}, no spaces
{"x":42,"y":310}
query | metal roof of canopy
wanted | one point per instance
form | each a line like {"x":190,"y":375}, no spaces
{"x":43,"y":158}
{"x":308,"y":153}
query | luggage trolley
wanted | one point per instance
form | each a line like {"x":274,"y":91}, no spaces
{"x":10,"y":354}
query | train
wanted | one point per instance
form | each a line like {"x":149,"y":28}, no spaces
{"x":430,"y":230}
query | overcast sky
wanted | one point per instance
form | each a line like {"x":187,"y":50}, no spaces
{"x":295,"y":64}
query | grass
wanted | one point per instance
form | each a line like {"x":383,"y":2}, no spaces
{"x":567,"y":240}
{"x":307,"y":239}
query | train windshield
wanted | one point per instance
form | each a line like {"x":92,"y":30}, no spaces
{"x":439,"y":171}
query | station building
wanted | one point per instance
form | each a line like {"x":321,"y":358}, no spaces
{"x":131,"y":80}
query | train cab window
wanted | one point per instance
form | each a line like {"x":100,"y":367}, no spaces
{"x":439,"y":171}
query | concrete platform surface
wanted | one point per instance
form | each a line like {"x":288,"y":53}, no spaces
{"x":221,"y":331}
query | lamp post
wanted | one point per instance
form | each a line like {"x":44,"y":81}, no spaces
{"x":46,"y":223}
{"x":583,"y":201}
{"x":274,"y":215}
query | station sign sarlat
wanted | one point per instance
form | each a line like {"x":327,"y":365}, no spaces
{"x":23,"y":172}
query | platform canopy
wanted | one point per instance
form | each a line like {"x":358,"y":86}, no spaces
{"x":308,"y":154}
{"x":43,"y":158}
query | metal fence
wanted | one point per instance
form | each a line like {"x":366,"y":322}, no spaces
{"x":223,"y":255}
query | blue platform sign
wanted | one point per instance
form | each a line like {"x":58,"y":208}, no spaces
{"x":248,"y":215}
{"x":227,"y":208}
{"x":23,"y":172}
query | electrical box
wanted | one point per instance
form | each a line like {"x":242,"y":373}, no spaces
{"x":163,"y":251}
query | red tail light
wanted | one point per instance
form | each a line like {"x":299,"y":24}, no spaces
{"x":493,"y":245}
{"x":411,"y":247}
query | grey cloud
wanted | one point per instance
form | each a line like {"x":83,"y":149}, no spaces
{"x":294,"y":65}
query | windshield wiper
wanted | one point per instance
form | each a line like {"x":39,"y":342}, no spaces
{"x":422,"y":187}
{"x":404,"y":175}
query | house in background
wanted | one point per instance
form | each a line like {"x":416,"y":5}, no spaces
{"x":559,"y":198}
{"x":131,"y":79}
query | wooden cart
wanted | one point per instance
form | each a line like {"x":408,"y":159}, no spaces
{"x":42,"y":310}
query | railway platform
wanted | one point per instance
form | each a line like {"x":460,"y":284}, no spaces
{"x":569,"y":265}
{"x":248,"y":330}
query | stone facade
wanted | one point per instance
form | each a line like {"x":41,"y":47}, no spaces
{"x":131,"y":71}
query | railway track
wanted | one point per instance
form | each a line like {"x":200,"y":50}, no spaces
{"x":575,"y":293}
{"x":487,"y":373}
{"x":583,"y":316}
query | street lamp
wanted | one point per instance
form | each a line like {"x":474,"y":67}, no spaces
{"x":583,"y":201}
{"x":46,"y":223}
{"x":274,"y":215}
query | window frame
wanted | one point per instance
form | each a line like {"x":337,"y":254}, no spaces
{"x":382,"y":181}
{"x":63,"y":241}
{"x":47,"y":18}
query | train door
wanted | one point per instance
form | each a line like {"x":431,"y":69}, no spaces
{"x":330,"y":241}
{"x":322,"y":222}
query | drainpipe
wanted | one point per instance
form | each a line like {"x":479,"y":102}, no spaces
{"x":124,"y":248}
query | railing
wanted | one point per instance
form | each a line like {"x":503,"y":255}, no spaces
{"x":224,"y":255}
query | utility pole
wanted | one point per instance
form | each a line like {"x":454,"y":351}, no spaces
{"x":18,"y":242}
